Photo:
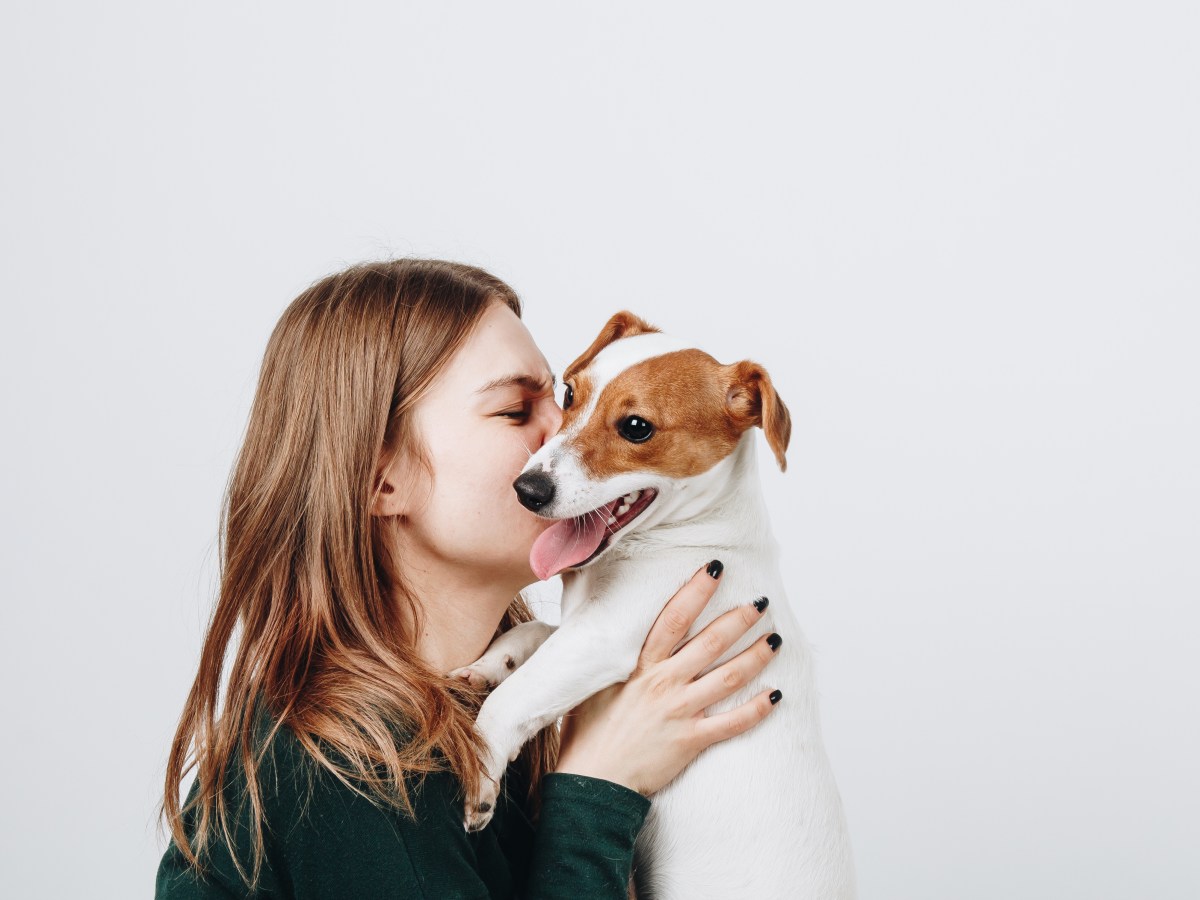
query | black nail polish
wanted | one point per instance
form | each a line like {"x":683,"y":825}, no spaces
{"x":761,"y":603}
{"x":774,"y":697}
{"x":773,"y":641}
{"x":715,"y":567}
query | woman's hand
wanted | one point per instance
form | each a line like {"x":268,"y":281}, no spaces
{"x":643,"y":731}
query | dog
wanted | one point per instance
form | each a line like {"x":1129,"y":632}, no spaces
{"x":653,"y":469}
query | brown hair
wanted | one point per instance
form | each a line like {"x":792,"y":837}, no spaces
{"x":327,"y":624}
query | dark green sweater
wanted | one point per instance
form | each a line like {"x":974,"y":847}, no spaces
{"x":336,"y":844}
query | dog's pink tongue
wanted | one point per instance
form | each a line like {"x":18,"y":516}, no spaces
{"x":565,"y":543}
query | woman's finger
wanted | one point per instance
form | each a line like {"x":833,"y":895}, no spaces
{"x":711,"y":729}
{"x":732,"y":674}
{"x":680,"y":612}
{"x":716,"y":637}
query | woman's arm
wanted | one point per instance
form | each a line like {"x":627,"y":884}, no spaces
{"x":587,"y":834}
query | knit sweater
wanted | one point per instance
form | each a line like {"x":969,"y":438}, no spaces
{"x":333,"y":843}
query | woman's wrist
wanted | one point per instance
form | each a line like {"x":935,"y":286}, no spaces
{"x":569,"y":765}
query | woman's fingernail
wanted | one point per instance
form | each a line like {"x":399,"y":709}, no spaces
{"x":775,"y":695}
{"x":773,"y":641}
{"x":715,"y":567}
{"x":761,"y":603}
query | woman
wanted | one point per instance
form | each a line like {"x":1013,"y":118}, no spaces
{"x":371,"y":544}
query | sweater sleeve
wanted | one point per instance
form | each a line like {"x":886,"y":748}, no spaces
{"x":584,"y":844}
{"x":331,"y":843}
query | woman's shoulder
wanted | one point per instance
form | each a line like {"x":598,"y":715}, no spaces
{"x":290,"y":773}
{"x":300,"y":792}
{"x":319,"y":831}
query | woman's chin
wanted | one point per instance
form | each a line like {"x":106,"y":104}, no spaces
{"x":515,"y":566}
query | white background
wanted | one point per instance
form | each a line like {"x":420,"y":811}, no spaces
{"x":962,"y":237}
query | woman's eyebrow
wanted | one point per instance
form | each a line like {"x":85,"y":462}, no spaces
{"x":533,"y":383}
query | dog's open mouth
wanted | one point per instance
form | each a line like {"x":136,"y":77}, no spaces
{"x":576,"y":542}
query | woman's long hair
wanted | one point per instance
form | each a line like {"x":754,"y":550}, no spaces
{"x":327,"y":625}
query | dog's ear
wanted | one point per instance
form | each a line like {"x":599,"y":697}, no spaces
{"x":624,"y":324}
{"x":751,"y":400}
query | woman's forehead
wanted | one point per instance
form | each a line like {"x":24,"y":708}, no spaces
{"x":500,"y":347}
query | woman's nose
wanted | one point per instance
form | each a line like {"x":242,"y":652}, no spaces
{"x":553,"y":425}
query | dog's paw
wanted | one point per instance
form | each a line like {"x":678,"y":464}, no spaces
{"x":487,"y":671}
{"x":481,"y":808}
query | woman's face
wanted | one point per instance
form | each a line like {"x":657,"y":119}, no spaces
{"x":487,"y":411}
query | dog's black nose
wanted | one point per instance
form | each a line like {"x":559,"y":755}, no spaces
{"x":534,"y":489}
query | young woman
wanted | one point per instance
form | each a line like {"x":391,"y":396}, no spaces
{"x":372,"y":543}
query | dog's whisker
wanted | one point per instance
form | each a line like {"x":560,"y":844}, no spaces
{"x":586,"y":516}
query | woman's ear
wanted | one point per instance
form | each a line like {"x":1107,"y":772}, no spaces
{"x":386,"y":501}
{"x":751,"y":400}
{"x":396,"y":484}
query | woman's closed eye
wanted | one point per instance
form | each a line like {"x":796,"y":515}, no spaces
{"x":519,"y":414}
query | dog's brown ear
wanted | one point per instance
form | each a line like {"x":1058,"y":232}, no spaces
{"x":624,"y":324}
{"x":751,"y":400}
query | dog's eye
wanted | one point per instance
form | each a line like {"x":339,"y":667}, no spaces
{"x":568,"y":397}
{"x":635,"y":428}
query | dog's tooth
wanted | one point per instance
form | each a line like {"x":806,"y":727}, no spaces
{"x":622,"y":509}
{"x":612,"y":520}
{"x":632,"y":498}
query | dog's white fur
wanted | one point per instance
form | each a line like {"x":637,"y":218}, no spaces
{"x":757,"y":815}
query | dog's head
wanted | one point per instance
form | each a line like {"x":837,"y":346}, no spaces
{"x":647,"y":422}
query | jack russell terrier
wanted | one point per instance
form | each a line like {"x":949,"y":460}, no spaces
{"x":668,"y":431}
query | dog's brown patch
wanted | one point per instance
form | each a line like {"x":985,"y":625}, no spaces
{"x":581,"y":389}
{"x":698,"y":407}
{"x":622,"y":325}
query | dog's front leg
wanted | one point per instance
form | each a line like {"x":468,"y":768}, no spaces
{"x":505,"y":654}
{"x":575,"y":662}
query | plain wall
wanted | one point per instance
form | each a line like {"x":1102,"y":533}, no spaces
{"x":963,"y":239}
